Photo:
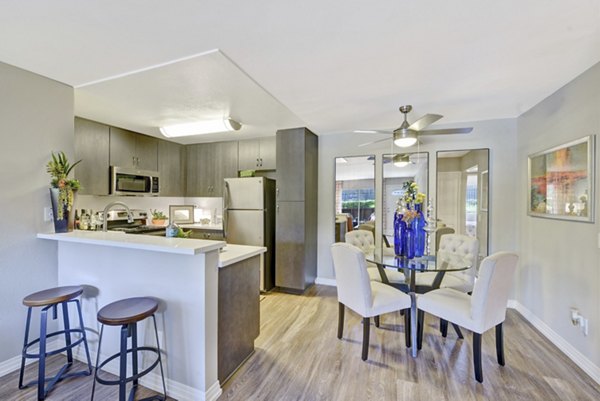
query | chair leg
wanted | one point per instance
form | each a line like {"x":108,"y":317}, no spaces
{"x":67,"y":326}
{"x":365,"y":345}
{"x":444,"y":327}
{"x":500,"y":344}
{"x":340,"y":320}
{"x":25,"y":341}
{"x":457,"y":330}
{"x":407,"y":339}
{"x":123,"y":363}
{"x":42,"y":362}
{"x":420,"y":326}
{"x":477,"y":357}
{"x":376,"y":318}
{"x":162,"y":373}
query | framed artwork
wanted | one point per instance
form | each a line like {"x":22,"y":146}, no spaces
{"x":181,"y":213}
{"x":561,"y":181}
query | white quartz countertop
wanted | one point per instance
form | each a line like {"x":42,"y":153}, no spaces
{"x":235,"y":253}
{"x":182,"y":246}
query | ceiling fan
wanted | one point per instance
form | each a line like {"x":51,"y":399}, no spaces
{"x":406,"y":134}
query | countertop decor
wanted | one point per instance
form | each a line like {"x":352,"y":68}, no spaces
{"x":62,"y":191}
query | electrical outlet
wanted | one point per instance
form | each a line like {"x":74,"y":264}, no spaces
{"x":48,"y":215}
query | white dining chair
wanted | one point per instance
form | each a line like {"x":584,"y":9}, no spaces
{"x":480,"y":312}
{"x":356,"y":291}
{"x":451,"y":245}
{"x":364,"y":240}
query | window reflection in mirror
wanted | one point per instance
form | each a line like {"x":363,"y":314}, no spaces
{"x":462,"y":193}
{"x":398,"y":169}
{"x":354,"y":194}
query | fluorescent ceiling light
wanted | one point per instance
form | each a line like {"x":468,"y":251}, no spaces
{"x":360,"y":131}
{"x":339,"y":160}
{"x":200,"y":127}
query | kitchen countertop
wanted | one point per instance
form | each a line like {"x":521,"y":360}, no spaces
{"x":235,"y":253}
{"x":182,"y":246}
{"x":200,"y":226}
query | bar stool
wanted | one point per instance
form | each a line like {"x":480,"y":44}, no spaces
{"x":49,"y":300}
{"x":126,"y":313}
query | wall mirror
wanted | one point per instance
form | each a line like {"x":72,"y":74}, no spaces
{"x":354,"y":194}
{"x":399,"y":168}
{"x":462,"y":194}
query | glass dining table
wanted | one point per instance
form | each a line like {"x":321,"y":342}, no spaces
{"x":439,"y":264}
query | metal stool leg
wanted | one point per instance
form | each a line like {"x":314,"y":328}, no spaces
{"x":97,"y":362}
{"x":85,"y":344}
{"x":67,"y":332}
{"x":123,"y":362}
{"x":134,"y":354}
{"x":25,"y":341}
{"x":42,"y":362}
{"x":162,"y":373}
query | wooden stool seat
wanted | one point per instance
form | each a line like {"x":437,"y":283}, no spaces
{"x":127,"y":311}
{"x":52,"y":296}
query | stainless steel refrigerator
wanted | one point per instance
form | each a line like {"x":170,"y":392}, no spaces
{"x":249,"y":219}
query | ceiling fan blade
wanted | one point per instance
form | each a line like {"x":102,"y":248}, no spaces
{"x":371,"y":143}
{"x":446,"y":131}
{"x":424,"y":121}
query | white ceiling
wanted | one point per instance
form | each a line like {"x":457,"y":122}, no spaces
{"x":336,"y":66}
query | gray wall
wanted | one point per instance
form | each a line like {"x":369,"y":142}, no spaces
{"x":36,"y":116}
{"x":559,"y":265}
{"x":498,"y":135}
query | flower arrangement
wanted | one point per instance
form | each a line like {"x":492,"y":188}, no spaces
{"x":59,"y":169}
{"x":158,"y":217}
{"x":412,"y":194}
{"x":409,"y":216}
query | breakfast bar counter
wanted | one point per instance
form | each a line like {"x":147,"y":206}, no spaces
{"x":184,"y":274}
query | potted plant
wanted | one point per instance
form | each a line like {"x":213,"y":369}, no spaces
{"x":62,"y":191}
{"x":158,"y":217}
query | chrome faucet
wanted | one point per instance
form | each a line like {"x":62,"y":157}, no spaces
{"x":110,"y":206}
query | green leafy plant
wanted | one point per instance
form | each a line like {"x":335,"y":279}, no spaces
{"x":183,"y":234}
{"x":158,"y":215}
{"x":59,"y":169}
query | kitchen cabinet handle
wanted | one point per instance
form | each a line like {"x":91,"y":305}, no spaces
{"x":277,"y":209}
{"x":277,"y":193}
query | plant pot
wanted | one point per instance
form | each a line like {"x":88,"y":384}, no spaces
{"x":158,"y":222}
{"x":67,"y":223}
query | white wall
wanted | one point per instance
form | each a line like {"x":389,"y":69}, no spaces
{"x":36,"y":116}
{"x":498,"y":135}
{"x":559,"y":266}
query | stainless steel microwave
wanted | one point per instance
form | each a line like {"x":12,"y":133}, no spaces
{"x":129,"y":181}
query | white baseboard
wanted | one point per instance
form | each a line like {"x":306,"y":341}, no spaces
{"x":563,"y":345}
{"x":326,"y":281}
{"x":14,"y":363}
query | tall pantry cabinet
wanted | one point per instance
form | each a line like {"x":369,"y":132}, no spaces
{"x":296,"y":220}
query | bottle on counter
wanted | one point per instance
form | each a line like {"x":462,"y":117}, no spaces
{"x":172,"y":230}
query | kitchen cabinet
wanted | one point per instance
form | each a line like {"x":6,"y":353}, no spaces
{"x":208,"y":164}
{"x":258,"y":154}
{"x":296,"y":219}
{"x":206,"y":234}
{"x":92,"y":148}
{"x":171,"y":167}
{"x":130,"y":149}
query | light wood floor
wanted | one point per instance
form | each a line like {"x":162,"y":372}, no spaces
{"x":71,"y":389}
{"x":298,"y":357}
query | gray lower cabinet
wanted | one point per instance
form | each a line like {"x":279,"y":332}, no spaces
{"x":258,"y":154}
{"x":208,"y":164}
{"x":130,"y":149}
{"x":206,"y":234}
{"x":238,"y":314}
{"x":92,"y":147}
{"x":296,"y":219}
{"x":171,"y":167}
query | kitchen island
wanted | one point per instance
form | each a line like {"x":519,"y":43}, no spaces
{"x":184,"y":274}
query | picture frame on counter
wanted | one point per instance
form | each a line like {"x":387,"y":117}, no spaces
{"x":183,"y":214}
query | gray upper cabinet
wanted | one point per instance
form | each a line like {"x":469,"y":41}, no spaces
{"x":92,"y":147}
{"x":257,"y":154}
{"x":130,"y":149}
{"x":171,"y":166}
{"x":208,"y":164}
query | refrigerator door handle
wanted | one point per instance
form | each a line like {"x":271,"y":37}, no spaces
{"x":225,"y":209}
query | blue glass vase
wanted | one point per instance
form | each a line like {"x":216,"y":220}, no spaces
{"x":410,"y":241}
{"x":419,"y":228}
{"x":398,"y":232}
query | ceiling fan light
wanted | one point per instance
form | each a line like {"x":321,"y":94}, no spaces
{"x":401,"y":160}
{"x":200,"y":128}
{"x":404,"y":138}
